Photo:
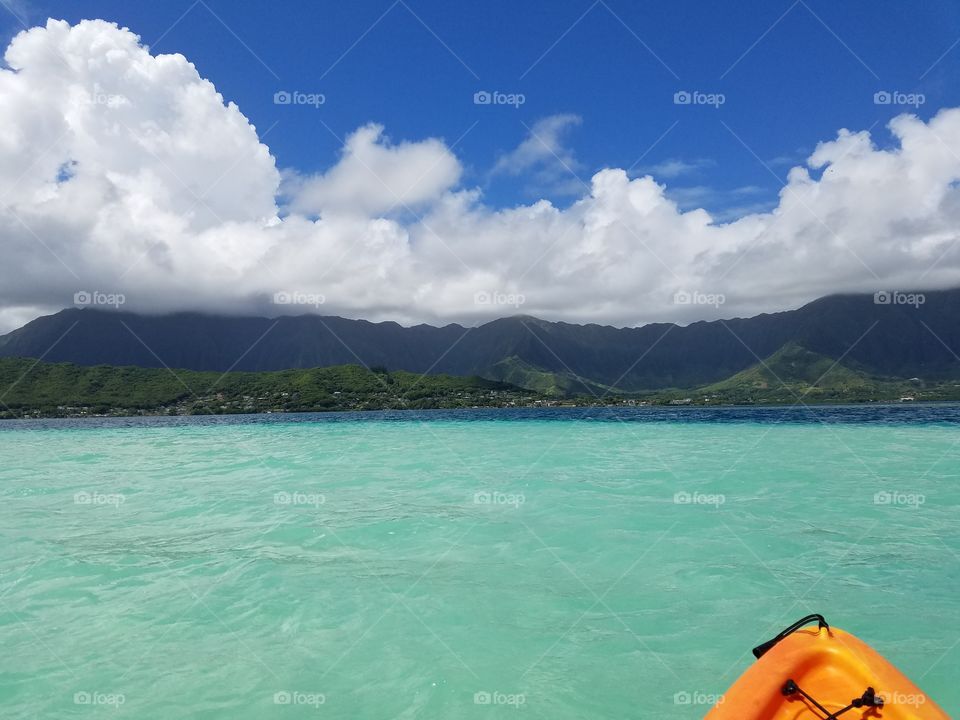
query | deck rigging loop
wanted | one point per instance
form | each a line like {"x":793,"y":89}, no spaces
{"x":759,"y":650}
{"x":868,"y":699}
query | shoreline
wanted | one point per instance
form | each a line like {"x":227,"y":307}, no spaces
{"x":559,"y":407}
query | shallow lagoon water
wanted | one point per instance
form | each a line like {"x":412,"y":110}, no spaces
{"x":538,"y":563}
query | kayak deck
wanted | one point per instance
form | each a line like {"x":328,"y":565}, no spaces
{"x":832,"y":672}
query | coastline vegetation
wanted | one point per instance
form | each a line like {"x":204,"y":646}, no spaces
{"x":37,"y":389}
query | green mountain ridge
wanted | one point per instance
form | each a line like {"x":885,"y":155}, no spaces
{"x":791,"y":375}
{"x":794,"y":365}
{"x":882,"y":340}
{"x":516,"y":371}
{"x":32,"y":388}
{"x":794,"y":374}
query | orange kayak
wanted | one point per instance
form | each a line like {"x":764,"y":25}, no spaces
{"x":823,"y":672}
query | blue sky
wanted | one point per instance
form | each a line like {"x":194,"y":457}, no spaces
{"x":791,"y":73}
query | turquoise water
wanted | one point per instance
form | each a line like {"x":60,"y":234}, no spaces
{"x":416,"y":566}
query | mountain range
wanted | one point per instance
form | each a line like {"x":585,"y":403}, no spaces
{"x":887,"y":336}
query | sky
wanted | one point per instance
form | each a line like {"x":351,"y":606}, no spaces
{"x":597,"y":161}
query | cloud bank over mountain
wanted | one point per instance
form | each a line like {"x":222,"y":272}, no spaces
{"x":127,"y":173}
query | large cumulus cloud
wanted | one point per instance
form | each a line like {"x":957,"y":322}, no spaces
{"x":126,"y":172}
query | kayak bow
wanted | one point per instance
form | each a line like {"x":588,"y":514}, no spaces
{"x":823,"y":673}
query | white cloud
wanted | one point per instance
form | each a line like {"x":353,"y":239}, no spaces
{"x":725,"y":205}
{"x":544,"y":157}
{"x":126,"y":172}
{"x":677,"y":167}
{"x":543,"y":146}
{"x":374,"y":176}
